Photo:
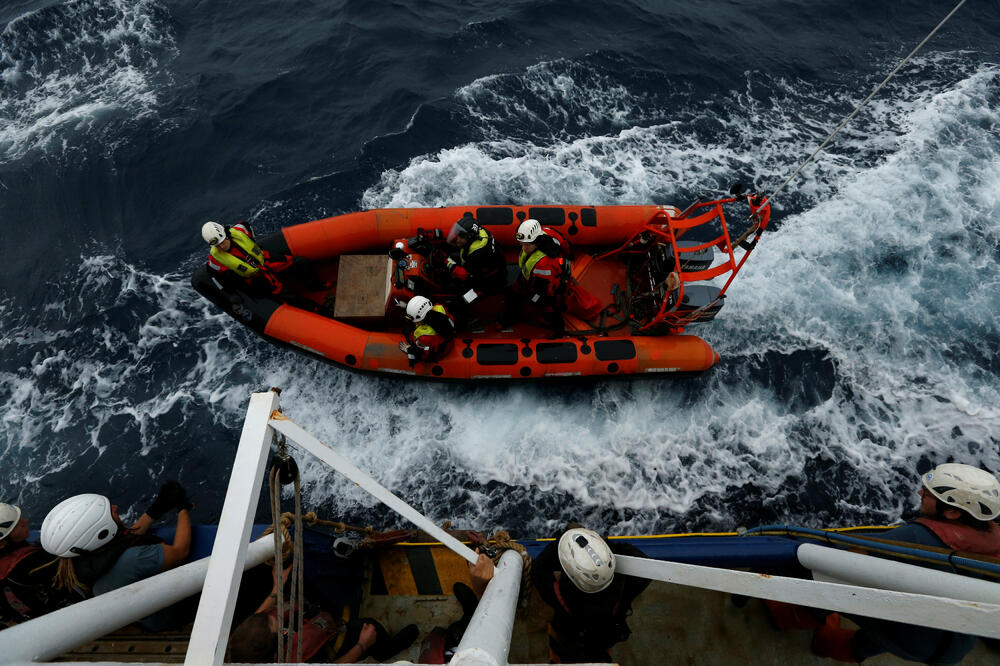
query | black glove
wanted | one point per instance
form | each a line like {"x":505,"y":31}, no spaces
{"x":171,"y":496}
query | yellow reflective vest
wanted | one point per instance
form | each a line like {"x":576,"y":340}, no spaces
{"x":243,"y":267}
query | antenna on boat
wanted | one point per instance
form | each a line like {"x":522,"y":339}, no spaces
{"x":858,"y":108}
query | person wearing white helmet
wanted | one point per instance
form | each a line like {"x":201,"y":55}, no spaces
{"x":477,"y":262}
{"x":959,"y":505}
{"x":575,"y":574}
{"x":13,"y":526}
{"x":24,"y":576}
{"x":543,"y":276}
{"x":234,"y":252}
{"x":99,"y":554}
{"x":429,"y":330}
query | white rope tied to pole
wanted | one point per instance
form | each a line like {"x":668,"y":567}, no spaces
{"x":879,"y":87}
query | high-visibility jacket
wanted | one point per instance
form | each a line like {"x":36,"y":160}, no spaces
{"x":541,"y":274}
{"x":431,"y":337}
{"x":482,"y":262}
{"x":246,"y":258}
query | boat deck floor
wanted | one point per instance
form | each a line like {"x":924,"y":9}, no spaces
{"x":670,"y":623}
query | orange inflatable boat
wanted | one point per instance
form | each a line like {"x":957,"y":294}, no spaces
{"x":622,"y":255}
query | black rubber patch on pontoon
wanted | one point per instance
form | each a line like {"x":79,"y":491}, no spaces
{"x":495,"y":216}
{"x":612,"y":367}
{"x":424,"y":572}
{"x":556,"y":352}
{"x":614,"y":350}
{"x":549,"y":217}
{"x":437,"y":371}
{"x":496,"y":354}
{"x":351,"y":359}
{"x":588,"y":217}
{"x":525,"y":371}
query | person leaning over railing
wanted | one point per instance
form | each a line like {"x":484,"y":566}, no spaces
{"x":576,"y":576}
{"x":98,"y":554}
{"x":959,"y":505}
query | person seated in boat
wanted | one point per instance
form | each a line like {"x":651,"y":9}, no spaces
{"x":24,"y":574}
{"x":98,"y":554}
{"x":542,"y":279}
{"x":575,"y":574}
{"x":959,"y":505}
{"x":477,"y":263}
{"x":429,"y":330}
{"x":324,"y":637}
{"x":239,"y":262}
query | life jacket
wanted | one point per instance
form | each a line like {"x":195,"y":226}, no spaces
{"x":424,"y":328}
{"x":558,"y":282}
{"x":316,"y":632}
{"x":482,"y":241}
{"x":527,"y":263}
{"x":11,"y":558}
{"x":252,"y":261}
{"x":965,"y":538}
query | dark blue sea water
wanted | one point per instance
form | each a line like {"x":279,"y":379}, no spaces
{"x":859,"y":346}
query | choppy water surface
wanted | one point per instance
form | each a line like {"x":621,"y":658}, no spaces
{"x":859,"y":344}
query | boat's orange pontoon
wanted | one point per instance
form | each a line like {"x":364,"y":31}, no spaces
{"x":622,"y":255}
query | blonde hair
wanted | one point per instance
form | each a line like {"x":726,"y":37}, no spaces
{"x":65,"y":578}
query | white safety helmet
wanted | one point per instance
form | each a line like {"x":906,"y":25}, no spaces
{"x":213,"y":233}
{"x":586,"y":559}
{"x":973,"y":490}
{"x":9,"y":517}
{"x":77,"y":525}
{"x":418,"y":307}
{"x":529,"y":231}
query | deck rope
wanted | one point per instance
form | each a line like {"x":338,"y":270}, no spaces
{"x":504,"y":542}
{"x":294,"y":544}
{"x":879,"y":87}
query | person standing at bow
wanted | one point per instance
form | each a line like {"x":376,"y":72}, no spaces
{"x":235,"y":254}
{"x":575,"y":575}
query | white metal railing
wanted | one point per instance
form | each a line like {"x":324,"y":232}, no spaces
{"x":840,"y":566}
{"x":218,"y":599}
{"x":215,"y":612}
{"x":486,"y":641}
{"x":55,"y":633}
{"x":967,"y":617}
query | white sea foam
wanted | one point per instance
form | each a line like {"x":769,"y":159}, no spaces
{"x":883,"y":279}
{"x":889,"y":272}
{"x":80,"y":68}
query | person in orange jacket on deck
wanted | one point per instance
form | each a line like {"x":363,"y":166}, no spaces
{"x":959,"y":505}
{"x":433,"y":329}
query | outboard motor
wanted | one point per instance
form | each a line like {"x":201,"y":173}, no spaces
{"x":698,"y":296}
